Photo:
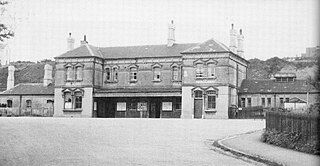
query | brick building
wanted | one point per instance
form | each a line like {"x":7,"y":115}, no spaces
{"x":193,"y":80}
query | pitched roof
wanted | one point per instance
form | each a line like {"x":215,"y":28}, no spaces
{"x":208,"y":46}
{"x":30,"y":89}
{"x":271,"y":86}
{"x":85,"y":50}
{"x":144,"y":51}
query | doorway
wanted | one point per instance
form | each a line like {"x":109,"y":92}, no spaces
{"x":198,"y":108}
{"x":154,"y":110}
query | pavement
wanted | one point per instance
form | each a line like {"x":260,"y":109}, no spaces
{"x":250,"y":146}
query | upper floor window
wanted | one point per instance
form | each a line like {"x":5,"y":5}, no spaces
{"x":156,"y":73}
{"x":79,"y":73}
{"x":115,"y":74}
{"x":69,"y":73}
{"x":199,"y":70}
{"x":175,"y":73}
{"x":133,"y":74}
{"x":211,"y":70}
{"x":108,"y":74}
{"x":29,"y":103}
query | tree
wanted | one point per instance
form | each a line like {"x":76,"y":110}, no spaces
{"x":5,"y":32}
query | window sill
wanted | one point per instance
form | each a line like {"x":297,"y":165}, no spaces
{"x":133,"y":81}
{"x":110,"y":82}
{"x":156,"y":80}
{"x":205,"y":78}
{"x":210,"y":111}
{"x":74,"y":80}
{"x":72,"y":110}
{"x":176,"y":81}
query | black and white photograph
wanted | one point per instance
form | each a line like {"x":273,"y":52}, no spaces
{"x":159,"y":82}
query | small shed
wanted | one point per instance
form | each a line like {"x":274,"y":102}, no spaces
{"x":296,"y":104}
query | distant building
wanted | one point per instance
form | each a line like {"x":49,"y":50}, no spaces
{"x":28,"y":98}
{"x":275,"y":92}
{"x":311,"y":52}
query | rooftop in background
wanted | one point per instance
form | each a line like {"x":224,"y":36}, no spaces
{"x":30,"y":89}
{"x":272,"y":86}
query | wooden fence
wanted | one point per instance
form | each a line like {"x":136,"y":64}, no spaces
{"x":305,"y":124}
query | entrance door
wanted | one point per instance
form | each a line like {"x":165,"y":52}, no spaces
{"x":110,"y":109}
{"x":154,"y":110}
{"x":197,"y":108}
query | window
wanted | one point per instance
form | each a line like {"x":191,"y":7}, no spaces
{"x":178,"y":105}
{"x":78,"y":100}
{"x":9,"y":103}
{"x":249,"y":102}
{"x":29,"y":103}
{"x":243,"y":102}
{"x":115,"y":74}
{"x":67,"y":100}
{"x":211,"y":100}
{"x":132,"y":106}
{"x":281,"y":102}
{"x":290,"y":79}
{"x":69,"y":73}
{"x":133,"y":74}
{"x":79,"y":73}
{"x":263,"y":102}
{"x":175,"y":73}
{"x":211,"y":70}
{"x":156,"y":73}
{"x":199,"y":71}
{"x":108,"y":74}
{"x":269,"y":102}
{"x":198,"y":94}
{"x":287,"y":100}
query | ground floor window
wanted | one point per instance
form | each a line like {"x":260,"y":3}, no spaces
{"x":211,"y":102}
{"x":263,"y":102}
{"x":9,"y":103}
{"x":29,"y":103}
{"x":73,"y":99}
{"x":269,"y":102}
{"x":249,"y":102}
{"x":243,"y":102}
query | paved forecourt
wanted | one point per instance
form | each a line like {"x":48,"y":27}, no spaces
{"x":73,"y":141}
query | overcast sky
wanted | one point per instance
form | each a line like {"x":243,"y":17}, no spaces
{"x":271,"y":27}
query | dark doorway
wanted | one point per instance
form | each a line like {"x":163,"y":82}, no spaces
{"x":154,"y":110}
{"x":198,"y":108}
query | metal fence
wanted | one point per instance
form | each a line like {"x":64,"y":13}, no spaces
{"x":305,"y":124}
{"x":44,"y":112}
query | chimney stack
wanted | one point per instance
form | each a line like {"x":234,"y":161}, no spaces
{"x":70,"y":42}
{"x":240,"y":44}
{"x":84,"y":41}
{"x":47,"y":79}
{"x":171,"y":38}
{"x":233,"y":40}
{"x":10,"y":80}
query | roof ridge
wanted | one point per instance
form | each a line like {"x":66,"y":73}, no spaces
{"x":146,"y":45}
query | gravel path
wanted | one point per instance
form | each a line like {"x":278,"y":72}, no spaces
{"x":64,"y":141}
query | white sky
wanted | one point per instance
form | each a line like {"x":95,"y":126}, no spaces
{"x":271,"y":27}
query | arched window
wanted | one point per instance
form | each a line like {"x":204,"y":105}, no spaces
{"x":198,"y":94}
{"x":175,"y":73}
{"x":199,"y":70}
{"x":115,"y":74}
{"x":133,"y":74}
{"x":79,"y":73}
{"x":211,"y":70}
{"x":108,"y":74}
{"x":156,"y":73}
{"x":67,"y":100}
{"x":69,"y":73}
{"x":78,"y":100}
{"x":211,"y":99}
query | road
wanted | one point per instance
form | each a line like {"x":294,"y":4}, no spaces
{"x":76,"y":141}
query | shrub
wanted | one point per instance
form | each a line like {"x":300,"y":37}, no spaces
{"x":291,"y":140}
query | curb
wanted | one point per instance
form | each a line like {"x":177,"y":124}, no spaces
{"x":237,"y":153}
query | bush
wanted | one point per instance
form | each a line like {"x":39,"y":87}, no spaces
{"x":291,"y":140}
